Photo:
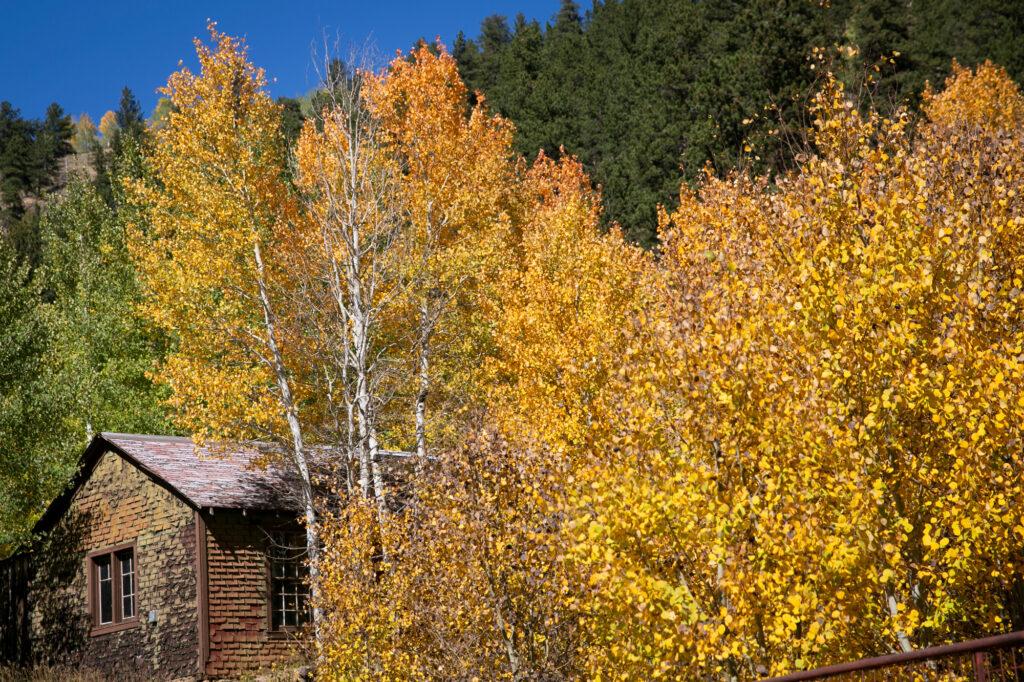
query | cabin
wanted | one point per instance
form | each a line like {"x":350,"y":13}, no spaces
{"x":162,"y":560}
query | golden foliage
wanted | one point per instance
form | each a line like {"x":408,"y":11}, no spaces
{"x":562,"y":311}
{"x":463,"y":208}
{"x":789,"y":441}
{"x":108,"y":126}
{"x":817,"y":455}
{"x":790,"y":438}
{"x":215,"y":196}
{"x":470,"y":587}
{"x":985,"y":97}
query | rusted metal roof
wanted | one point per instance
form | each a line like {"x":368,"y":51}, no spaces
{"x":236,"y":476}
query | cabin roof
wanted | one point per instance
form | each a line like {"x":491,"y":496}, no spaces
{"x":233,"y":476}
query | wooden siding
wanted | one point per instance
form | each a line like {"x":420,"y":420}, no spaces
{"x":239,"y":624}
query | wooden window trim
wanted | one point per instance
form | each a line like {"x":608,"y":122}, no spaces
{"x":202,"y":591}
{"x":92,"y":586}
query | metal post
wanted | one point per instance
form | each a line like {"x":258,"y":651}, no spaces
{"x":980,"y":666}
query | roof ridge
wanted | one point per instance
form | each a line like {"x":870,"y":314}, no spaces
{"x":146,"y":436}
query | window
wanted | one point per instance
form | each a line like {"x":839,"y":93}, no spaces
{"x":112,"y":588}
{"x":127,"y":562}
{"x":289,"y":588}
{"x":105,"y":591}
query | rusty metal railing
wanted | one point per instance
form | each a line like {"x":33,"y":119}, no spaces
{"x":990,"y":659}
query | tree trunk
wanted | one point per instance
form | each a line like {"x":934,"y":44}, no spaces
{"x":890,"y":602}
{"x":369,"y":448}
{"x":298,"y":446}
{"x":424,"y":386}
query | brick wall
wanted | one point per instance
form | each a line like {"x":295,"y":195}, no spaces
{"x":120,"y":504}
{"x":240,"y":640}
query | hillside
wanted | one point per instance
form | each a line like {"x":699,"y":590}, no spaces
{"x":646,"y":92}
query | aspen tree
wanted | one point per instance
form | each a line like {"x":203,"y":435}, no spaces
{"x":213,"y":259}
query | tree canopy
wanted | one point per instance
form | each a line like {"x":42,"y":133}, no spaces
{"x":787,"y":436}
{"x":645,"y":92}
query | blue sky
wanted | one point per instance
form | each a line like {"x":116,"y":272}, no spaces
{"x":80,"y":53}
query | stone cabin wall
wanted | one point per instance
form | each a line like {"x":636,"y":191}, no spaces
{"x":120,"y":504}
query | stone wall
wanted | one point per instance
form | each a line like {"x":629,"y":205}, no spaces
{"x":119,"y":504}
{"x":239,"y":619}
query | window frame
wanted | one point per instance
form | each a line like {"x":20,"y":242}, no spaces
{"x":118,"y":622}
{"x":272,"y":543}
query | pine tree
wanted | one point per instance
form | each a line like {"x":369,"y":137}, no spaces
{"x":52,"y":143}
{"x":563,"y":76}
{"x":971,"y":32}
{"x":881,"y":32}
{"x":495,"y":36}
{"x":467,"y":56}
{"x":519,"y":65}
{"x":645,"y":56}
{"x":568,"y":17}
{"x":129,"y":113}
{"x":125,"y":135}
{"x":16,"y":137}
{"x":291,"y":119}
{"x":130,"y":121}
{"x":657,"y":88}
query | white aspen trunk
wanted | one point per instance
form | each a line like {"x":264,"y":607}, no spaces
{"x":354,"y":317}
{"x":298,"y":446}
{"x":359,"y":312}
{"x":426,"y":332}
{"x":353,"y":205}
{"x":890,"y":602}
{"x":371,"y":478}
{"x":424,"y":387}
{"x":505,"y":629}
{"x":345,"y":321}
{"x":350,"y":423}
{"x":371,"y":475}
{"x":378,"y":484}
{"x":368,"y":449}
{"x":368,"y":446}
{"x":508,"y":637}
{"x":365,"y":483}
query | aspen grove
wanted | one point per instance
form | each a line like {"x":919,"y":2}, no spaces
{"x":791,"y":435}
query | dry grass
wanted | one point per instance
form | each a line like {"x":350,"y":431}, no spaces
{"x":68,"y":674}
{"x":49,"y":674}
